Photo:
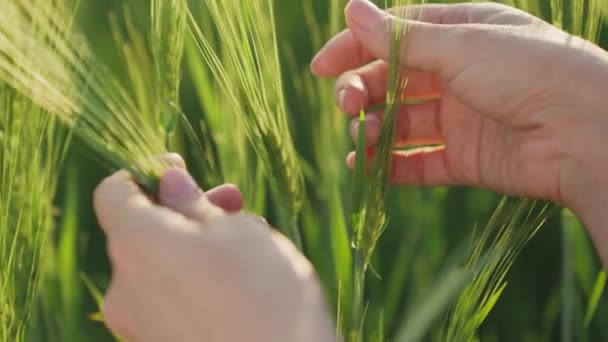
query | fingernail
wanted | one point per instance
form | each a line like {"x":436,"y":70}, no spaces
{"x":175,"y":160}
{"x":350,"y":160}
{"x":357,"y":83}
{"x":342,"y":98}
{"x":315,"y":66}
{"x":178,"y":185}
{"x":313,"y":62}
{"x":364,"y":13}
{"x":354,"y":129}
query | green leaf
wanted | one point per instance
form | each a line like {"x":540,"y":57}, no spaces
{"x":594,"y":299}
{"x":441,"y":296}
{"x":358,"y":186}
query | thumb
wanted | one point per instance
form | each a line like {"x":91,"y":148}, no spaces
{"x":178,"y":191}
{"x":428,"y":45}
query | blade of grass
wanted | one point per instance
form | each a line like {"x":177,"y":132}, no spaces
{"x":417,"y":325}
{"x":594,"y":298}
{"x":31,"y":151}
{"x":568,"y":283}
{"x":358,"y":187}
{"x":505,"y":235}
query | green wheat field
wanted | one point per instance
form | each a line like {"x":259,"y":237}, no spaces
{"x":88,"y":87}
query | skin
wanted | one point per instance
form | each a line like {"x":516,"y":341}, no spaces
{"x":520,"y":111}
{"x":193,"y":268}
{"x":520,"y":108}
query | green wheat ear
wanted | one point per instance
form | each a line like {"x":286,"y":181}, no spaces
{"x":369,"y":217}
{"x":500,"y":243}
{"x":167,"y":40}
{"x":372,"y":215}
{"x":245,"y":63}
{"x":32,"y":148}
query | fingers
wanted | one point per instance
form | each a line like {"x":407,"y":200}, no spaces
{"x":463,"y":13}
{"x":118,"y":202}
{"x":366,"y":86}
{"x":178,"y":191}
{"x":343,"y":52}
{"x":418,"y":124}
{"x":174,"y":159}
{"x":227,"y":196}
{"x":430,"y":47}
{"x":371,"y":27}
{"x":421,"y":167}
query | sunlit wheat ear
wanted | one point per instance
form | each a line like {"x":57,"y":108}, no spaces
{"x":246,"y":66}
{"x":43,"y":57}
{"x":502,"y":240}
{"x":31,"y":149}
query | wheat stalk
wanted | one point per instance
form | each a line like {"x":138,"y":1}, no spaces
{"x":246,"y":66}
{"x":32,"y":147}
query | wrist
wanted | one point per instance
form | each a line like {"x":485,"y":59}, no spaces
{"x":584,"y":182}
{"x":592,"y":210}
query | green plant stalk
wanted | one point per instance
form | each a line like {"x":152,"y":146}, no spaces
{"x":322,"y":125}
{"x":417,"y":324}
{"x":248,"y":71}
{"x":594,"y":298}
{"x":357,"y":196}
{"x":31,"y":150}
{"x":358,"y":191}
{"x":360,"y":269}
{"x":370,"y":221}
{"x":568,"y":322}
{"x":503,"y":238}
{"x":291,"y":228}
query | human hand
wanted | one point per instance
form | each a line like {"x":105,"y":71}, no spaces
{"x":520,"y":109}
{"x":195,"y":269}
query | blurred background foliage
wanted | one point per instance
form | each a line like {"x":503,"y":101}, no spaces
{"x":426,"y":224}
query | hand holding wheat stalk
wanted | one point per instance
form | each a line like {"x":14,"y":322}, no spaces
{"x":462,"y":117}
